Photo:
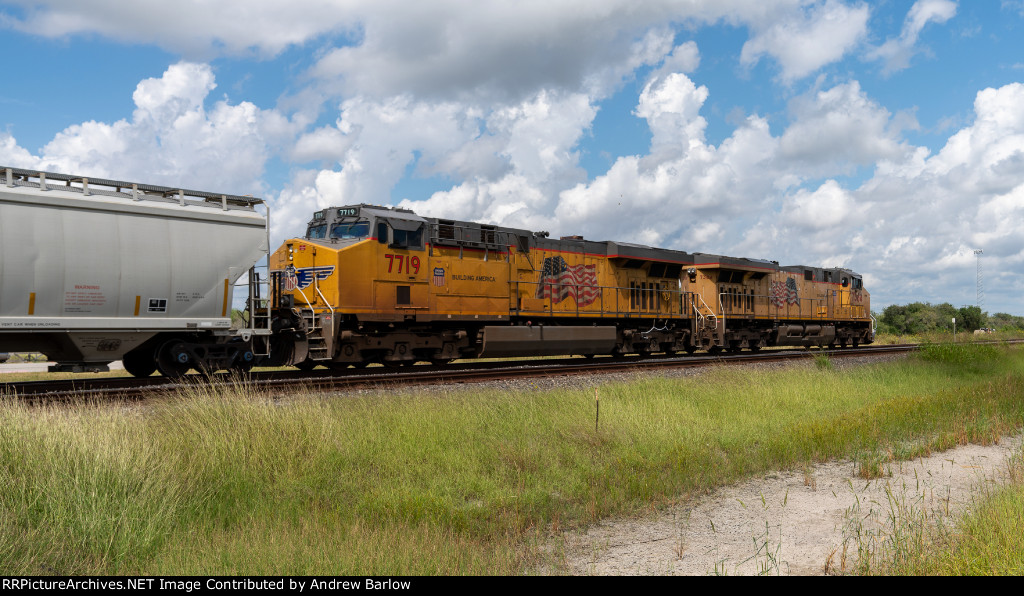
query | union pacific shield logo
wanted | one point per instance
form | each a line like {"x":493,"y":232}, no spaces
{"x":300,"y":279}
{"x":438,"y":276}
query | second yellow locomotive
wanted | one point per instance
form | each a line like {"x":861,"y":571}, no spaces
{"x":370,"y":283}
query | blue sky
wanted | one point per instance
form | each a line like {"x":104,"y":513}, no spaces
{"x":887,"y":137}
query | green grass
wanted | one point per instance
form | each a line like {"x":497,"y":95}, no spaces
{"x":945,"y":337}
{"x":986,"y":540}
{"x":989,"y":541}
{"x":446,"y":482}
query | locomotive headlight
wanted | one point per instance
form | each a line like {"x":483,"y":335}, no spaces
{"x":291,"y":253}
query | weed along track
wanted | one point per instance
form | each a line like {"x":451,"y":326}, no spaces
{"x":477,"y":372}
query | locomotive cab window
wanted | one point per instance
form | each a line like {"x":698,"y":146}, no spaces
{"x":412,"y":239}
{"x":316,"y":231}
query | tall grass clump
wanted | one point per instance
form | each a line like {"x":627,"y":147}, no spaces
{"x":473,"y":481}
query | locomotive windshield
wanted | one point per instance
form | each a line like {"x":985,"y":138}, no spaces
{"x":317,"y":231}
{"x":351,"y":229}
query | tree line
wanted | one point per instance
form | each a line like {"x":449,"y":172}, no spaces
{"x":923,"y":317}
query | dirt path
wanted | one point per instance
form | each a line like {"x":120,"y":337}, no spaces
{"x":785,"y":523}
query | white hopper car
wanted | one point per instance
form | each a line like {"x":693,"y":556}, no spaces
{"x":93,"y":271}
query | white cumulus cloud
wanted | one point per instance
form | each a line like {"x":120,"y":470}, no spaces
{"x":803,"y":39}
{"x":170,"y":139}
{"x":896,"y":53}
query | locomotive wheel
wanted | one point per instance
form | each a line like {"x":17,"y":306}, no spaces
{"x":172,"y":360}
{"x":139,"y":363}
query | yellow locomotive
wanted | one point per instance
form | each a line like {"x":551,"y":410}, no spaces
{"x":371,"y":283}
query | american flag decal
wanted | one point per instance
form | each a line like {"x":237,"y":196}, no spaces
{"x":559,"y":280}
{"x":438,"y":276}
{"x":784,"y":292}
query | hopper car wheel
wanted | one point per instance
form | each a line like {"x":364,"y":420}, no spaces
{"x":172,"y":360}
{"x":139,"y":363}
{"x":306,"y":365}
{"x":245,"y":362}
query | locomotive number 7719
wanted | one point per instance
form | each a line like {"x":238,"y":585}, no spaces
{"x":412,"y":264}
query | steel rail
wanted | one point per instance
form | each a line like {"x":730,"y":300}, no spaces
{"x":348,"y":379}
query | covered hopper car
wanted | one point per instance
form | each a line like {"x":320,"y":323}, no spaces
{"x":375,"y":284}
{"x":93,"y":271}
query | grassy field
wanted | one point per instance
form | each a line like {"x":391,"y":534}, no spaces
{"x":448,"y":482}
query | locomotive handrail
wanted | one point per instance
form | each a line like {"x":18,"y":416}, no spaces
{"x":316,"y":285}
{"x":664,"y":305}
{"x":309,"y":305}
{"x":711,"y":312}
{"x":838,"y":312}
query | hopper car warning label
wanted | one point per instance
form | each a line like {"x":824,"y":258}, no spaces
{"x":84,"y":298}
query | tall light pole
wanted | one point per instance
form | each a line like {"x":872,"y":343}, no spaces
{"x":981,"y":292}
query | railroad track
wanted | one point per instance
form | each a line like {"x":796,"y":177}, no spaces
{"x":347,"y":379}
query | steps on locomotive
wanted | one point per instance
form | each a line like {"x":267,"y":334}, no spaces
{"x":316,"y":343}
